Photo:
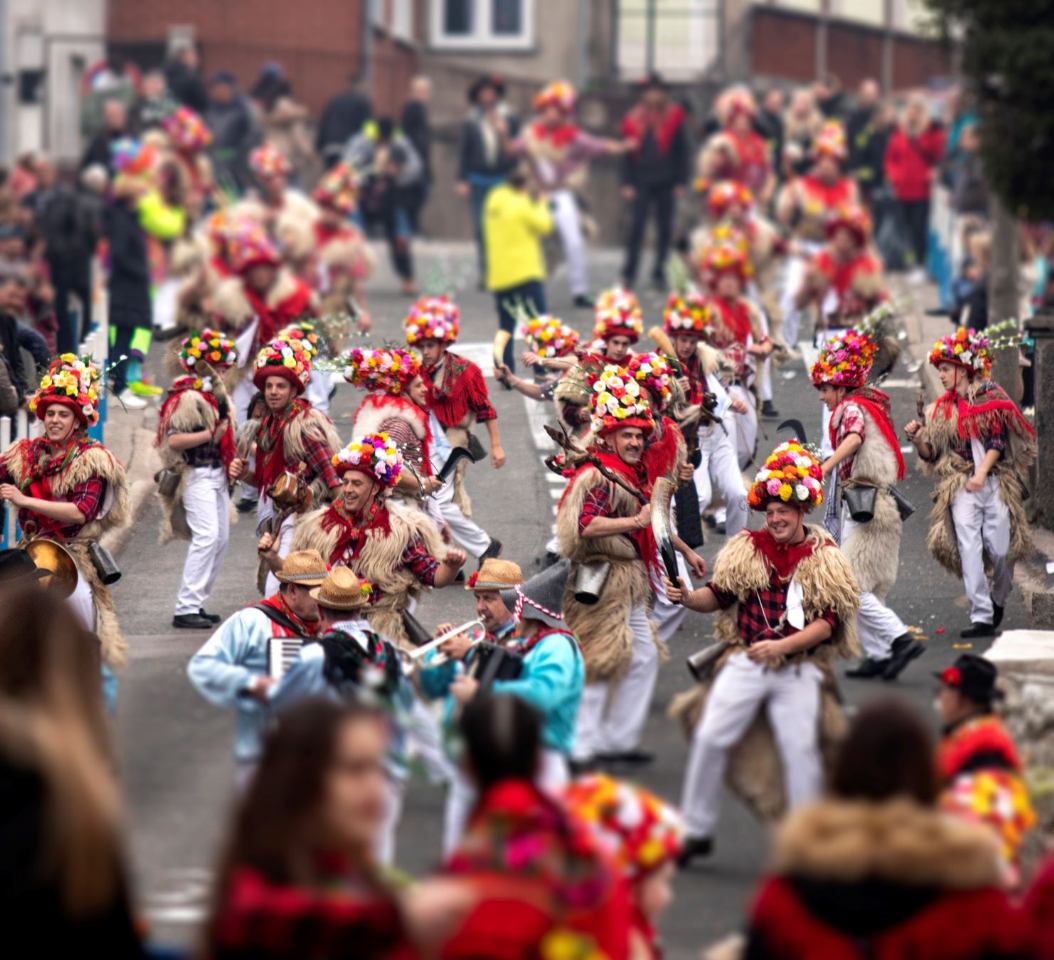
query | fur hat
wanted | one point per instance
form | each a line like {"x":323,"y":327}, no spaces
{"x":433,"y":318}
{"x":618,"y":314}
{"x":187,"y":130}
{"x":790,"y":475}
{"x":266,"y":161}
{"x":845,"y":361}
{"x":492,"y":80}
{"x":280,"y":358}
{"x":653,"y":372}
{"x":724,"y":193}
{"x":388,"y":371}
{"x":338,"y":189}
{"x":373,"y":454}
{"x":342,"y":590}
{"x":549,"y":336}
{"x":71,"y":382}
{"x":965,"y":348}
{"x":559,"y":94}
{"x":852,"y":217}
{"x":207,"y":347}
{"x":304,"y":568}
{"x":617,"y":402}
{"x":687,"y":313}
{"x":495,"y":574}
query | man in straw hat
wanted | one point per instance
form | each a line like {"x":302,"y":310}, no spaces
{"x":232,"y":669}
{"x":349,"y":661}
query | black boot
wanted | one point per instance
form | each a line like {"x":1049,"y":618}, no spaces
{"x":905,"y":649}
{"x":977,"y":630}
{"x":694,"y":847}
{"x":493,"y":550}
{"x":211,"y":617}
{"x":867,"y":669}
{"x":997,"y":615}
{"x":768,"y":411}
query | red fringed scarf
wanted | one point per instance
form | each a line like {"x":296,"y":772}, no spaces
{"x":639,"y":122}
{"x":875,"y":403}
{"x":782,"y":557}
{"x":351,"y":535}
{"x":44,"y":462}
{"x":560,"y":137}
{"x":273,"y":319}
{"x":735,"y":316}
{"x":973,"y":417}
{"x":307,"y":628}
{"x":270,"y":447}
{"x":981,"y":736}
{"x":660,"y":455}
{"x":463,"y":388}
{"x":830,"y":195}
{"x":181,"y":385}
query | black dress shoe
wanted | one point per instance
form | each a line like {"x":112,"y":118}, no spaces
{"x":191,"y":621}
{"x":583,"y":302}
{"x":694,"y":847}
{"x":905,"y":649}
{"x":579,"y":767}
{"x":633,"y":758}
{"x":493,"y":550}
{"x":977,"y":630}
{"x":868,"y":669}
{"x":211,"y":617}
{"x":768,"y":411}
{"x":245,"y":505}
{"x":997,"y":615}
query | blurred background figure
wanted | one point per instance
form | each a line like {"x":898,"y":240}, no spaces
{"x":183,"y":76}
{"x":234,"y":133}
{"x":418,"y":129}
{"x":115,"y":125}
{"x":342,"y":118}
{"x":283,"y":121}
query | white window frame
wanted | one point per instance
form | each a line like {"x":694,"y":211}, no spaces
{"x":481,"y":37}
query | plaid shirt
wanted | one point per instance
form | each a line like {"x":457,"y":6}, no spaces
{"x":420,"y":562}
{"x":852,"y":422}
{"x":596,"y":505}
{"x":319,"y":462}
{"x":760,"y":616}
{"x":86,"y":497}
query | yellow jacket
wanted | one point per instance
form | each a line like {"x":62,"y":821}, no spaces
{"x":513,"y":227}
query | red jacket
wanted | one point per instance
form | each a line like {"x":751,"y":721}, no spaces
{"x":909,"y":161}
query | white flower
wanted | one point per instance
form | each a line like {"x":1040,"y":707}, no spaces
{"x":801,"y":491}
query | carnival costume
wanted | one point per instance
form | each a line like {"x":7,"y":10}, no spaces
{"x":197,"y":506}
{"x":731,"y":154}
{"x":980,"y":535}
{"x":770,"y":723}
{"x":80,"y":471}
{"x":305,"y":336}
{"x":287,"y":215}
{"x":190,"y":138}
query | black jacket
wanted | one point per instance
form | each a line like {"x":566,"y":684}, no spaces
{"x":341,"y":119}
{"x":472,"y":156}
{"x":129,"y":282}
{"x":186,"y":86}
{"x":418,"y":131}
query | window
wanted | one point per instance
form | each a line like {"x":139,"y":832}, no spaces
{"x":483,"y":24}
{"x":676,"y":37}
{"x":395,"y":17}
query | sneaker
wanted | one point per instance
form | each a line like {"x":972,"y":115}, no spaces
{"x":694,"y":847}
{"x":768,"y":411}
{"x":130,"y":401}
{"x":191,"y":621}
{"x":142,"y":388}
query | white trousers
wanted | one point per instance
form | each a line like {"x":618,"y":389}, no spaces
{"x":463,"y":529}
{"x":242,"y":395}
{"x":793,"y":278}
{"x":285,"y":541}
{"x":667,"y":616}
{"x":719,"y":467}
{"x":792,"y":698}
{"x":82,"y":604}
{"x":553,"y":776}
{"x":207,"y":506}
{"x":384,"y":850}
{"x":826,"y":447}
{"x":569,"y":226}
{"x":424,"y":740}
{"x":982,"y":526}
{"x":612,"y":714}
{"x":765,"y":366}
{"x":877,"y":625}
{"x":745,"y":424}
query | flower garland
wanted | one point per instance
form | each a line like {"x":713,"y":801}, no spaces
{"x":687,"y":313}
{"x":266,"y":161}
{"x":559,"y":94}
{"x":433,"y":318}
{"x":207,"y":347}
{"x":187,"y":130}
{"x":549,"y":336}
{"x":617,"y":401}
{"x":72,"y":380}
{"x":844,"y":361}
{"x":284,"y":354}
{"x":792,"y":475}
{"x":725,"y":193}
{"x":374,"y":454}
{"x":653,"y":371}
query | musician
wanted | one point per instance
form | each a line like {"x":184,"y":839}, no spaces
{"x":396,"y":548}
{"x":457,"y":391}
{"x":69,"y":488}
{"x":604,"y":516}
{"x":349,"y":660}
{"x":195,"y":441}
{"x":232,"y":668}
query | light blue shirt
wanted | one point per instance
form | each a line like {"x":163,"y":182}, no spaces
{"x":440,"y":450}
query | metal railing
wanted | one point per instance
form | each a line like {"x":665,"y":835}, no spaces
{"x":11,"y":428}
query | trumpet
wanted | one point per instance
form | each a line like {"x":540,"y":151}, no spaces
{"x":412,"y":659}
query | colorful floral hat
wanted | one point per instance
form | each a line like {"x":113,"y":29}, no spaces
{"x":724,"y":193}
{"x":845,"y":361}
{"x":187,"y":130}
{"x":210,"y":348}
{"x":998,"y":799}
{"x":617,"y":402}
{"x":790,"y":475}
{"x":965,"y":348}
{"x":280,"y":358}
{"x":726,"y":257}
{"x":618,"y":314}
{"x":433,"y":318}
{"x":559,"y":93}
{"x":375,"y":455}
{"x":733,"y":100}
{"x":303,"y":334}
{"x":853,"y":218}
{"x":266,"y":161}
{"x":339,"y":189}
{"x":250,"y":245}
{"x":653,"y":371}
{"x":388,"y":371}
{"x":640,"y":831}
{"x":72,"y":382}
{"x":132,"y":157}
{"x":830,"y":141}
{"x":687,"y":313}
{"x":549,"y":336}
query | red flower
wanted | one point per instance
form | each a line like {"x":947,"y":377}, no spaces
{"x":952,"y":677}
{"x":472,"y":579}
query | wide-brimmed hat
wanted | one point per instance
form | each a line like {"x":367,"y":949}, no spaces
{"x":972,"y":676}
{"x":495,"y":574}
{"x":18,"y":565}
{"x":342,"y":590}
{"x":304,"y":568}
{"x":492,"y":80}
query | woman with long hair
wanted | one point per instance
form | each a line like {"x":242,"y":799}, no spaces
{"x":62,"y":883}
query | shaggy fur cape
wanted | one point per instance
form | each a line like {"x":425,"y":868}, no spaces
{"x":380,"y":561}
{"x":603,"y":629}
{"x":316,"y":425}
{"x":754,"y":768}
{"x":95,"y":461}
{"x":234,"y":309}
{"x":952,"y":472}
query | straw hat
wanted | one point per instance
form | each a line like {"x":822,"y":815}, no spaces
{"x":342,"y":590}
{"x":303,"y":568}
{"x":495,"y":574}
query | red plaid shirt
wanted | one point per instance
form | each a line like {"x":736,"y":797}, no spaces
{"x":86,"y":497}
{"x":319,"y":462}
{"x":760,"y":616}
{"x":596,"y":505}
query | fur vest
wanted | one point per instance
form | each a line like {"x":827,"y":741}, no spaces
{"x":313,"y":424}
{"x":379,"y":562}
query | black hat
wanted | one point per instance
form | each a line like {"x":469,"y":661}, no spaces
{"x":492,"y":80}
{"x":972,"y":676}
{"x":541,"y":597}
{"x":651,"y":81}
{"x":16,"y":565}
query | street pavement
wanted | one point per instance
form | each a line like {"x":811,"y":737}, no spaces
{"x":175,"y":749}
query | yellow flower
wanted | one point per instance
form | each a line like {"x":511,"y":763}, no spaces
{"x":786,"y":491}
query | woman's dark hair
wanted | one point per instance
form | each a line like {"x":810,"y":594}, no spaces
{"x":503,"y":736}
{"x":887,"y":752}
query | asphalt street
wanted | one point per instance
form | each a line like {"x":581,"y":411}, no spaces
{"x":175,"y":749}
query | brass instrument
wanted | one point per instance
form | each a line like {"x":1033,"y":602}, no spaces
{"x":53,"y":557}
{"x":413,"y":659}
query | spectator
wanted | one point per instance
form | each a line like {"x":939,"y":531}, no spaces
{"x":183,"y":76}
{"x":154,"y":104}
{"x":14,"y":377}
{"x":966,"y":169}
{"x":283,"y":119}
{"x":418,"y":129}
{"x":769,"y":124}
{"x":115,"y":126}
{"x":343,"y":117}
{"x":25,"y":350}
{"x":801,"y":123}
{"x":234,"y":134}
{"x":484,"y":155}
{"x":29,"y":295}
{"x":864,"y":132}
{"x":876,"y":863}
{"x":915,"y":149}
{"x":62,"y":881}
{"x":830,"y":97}
{"x":111,"y":79}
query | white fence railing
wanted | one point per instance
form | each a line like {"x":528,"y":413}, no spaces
{"x":10,"y":429}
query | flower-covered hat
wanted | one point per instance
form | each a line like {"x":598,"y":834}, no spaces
{"x":72,"y":382}
{"x":618,"y":314}
{"x":250,"y":245}
{"x":853,"y":218}
{"x":373,"y":454}
{"x":388,"y":371}
{"x":686,"y":313}
{"x":338,"y":189}
{"x":210,"y":348}
{"x":844,"y":361}
{"x":639,"y":830}
{"x":266,"y":161}
{"x":830,"y":141}
{"x":132,"y":157}
{"x":433,"y":318}
{"x":733,"y":100}
{"x":965,"y":348}
{"x":723,"y":194}
{"x":790,"y":475}
{"x":549,"y":336}
{"x":280,"y":358}
{"x":304,"y":335}
{"x":726,"y":257}
{"x":187,"y":130}
{"x":652,"y":371}
{"x":618,"y":402}
{"x":559,"y":93}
